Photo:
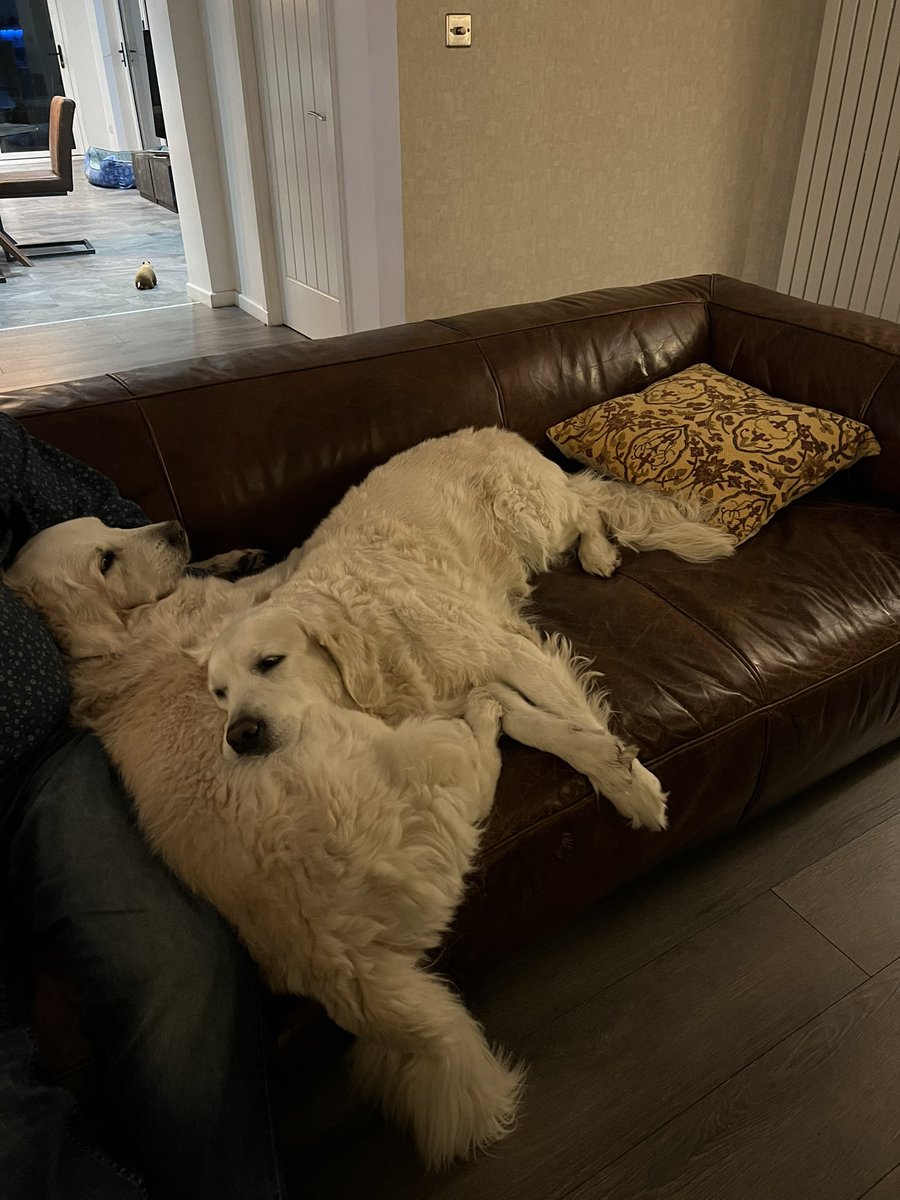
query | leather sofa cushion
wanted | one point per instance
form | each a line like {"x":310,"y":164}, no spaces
{"x":730,"y":677}
{"x":262,"y":461}
{"x":544,"y":373}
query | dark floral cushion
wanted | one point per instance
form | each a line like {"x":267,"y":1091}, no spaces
{"x":705,"y":434}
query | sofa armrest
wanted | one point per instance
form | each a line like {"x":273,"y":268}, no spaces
{"x":811,"y":354}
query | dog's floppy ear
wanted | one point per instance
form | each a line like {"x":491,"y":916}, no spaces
{"x":325,"y":621}
{"x":79,"y":630}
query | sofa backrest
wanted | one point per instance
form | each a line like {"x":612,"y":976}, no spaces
{"x":825,"y":357}
{"x":553,"y":359}
{"x":256,"y":447}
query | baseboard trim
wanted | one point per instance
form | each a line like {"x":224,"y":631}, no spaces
{"x":254,"y":309}
{"x":211,"y":299}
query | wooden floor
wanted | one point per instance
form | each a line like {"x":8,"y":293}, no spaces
{"x":71,"y":318}
{"x":45,"y":354}
{"x":727,"y":1030}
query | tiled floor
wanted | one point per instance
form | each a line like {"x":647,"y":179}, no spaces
{"x":123,"y":228}
{"x":72,"y":318}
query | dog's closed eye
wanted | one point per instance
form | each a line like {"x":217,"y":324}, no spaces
{"x":219,"y":693}
{"x":265,"y":665}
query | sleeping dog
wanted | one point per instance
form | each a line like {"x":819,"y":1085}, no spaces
{"x":335,"y":816}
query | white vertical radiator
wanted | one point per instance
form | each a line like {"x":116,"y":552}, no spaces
{"x":842,"y":239}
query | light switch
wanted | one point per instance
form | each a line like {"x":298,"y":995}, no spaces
{"x":459,"y":29}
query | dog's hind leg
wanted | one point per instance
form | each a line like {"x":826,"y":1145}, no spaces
{"x":596,"y":553}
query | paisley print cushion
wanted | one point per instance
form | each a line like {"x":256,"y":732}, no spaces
{"x":705,"y":434}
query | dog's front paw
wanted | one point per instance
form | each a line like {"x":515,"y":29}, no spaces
{"x":251,"y":562}
{"x":645,"y":805}
{"x":483,"y":712}
{"x":235,"y":564}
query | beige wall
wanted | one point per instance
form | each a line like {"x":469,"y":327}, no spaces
{"x":590,"y":143}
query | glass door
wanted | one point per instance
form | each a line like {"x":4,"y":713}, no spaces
{"x":136,"y":49}
{"x":32,"y":65}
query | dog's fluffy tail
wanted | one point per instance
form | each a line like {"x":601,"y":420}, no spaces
{"x":643,"y":519}
{"x":447,"y":1085}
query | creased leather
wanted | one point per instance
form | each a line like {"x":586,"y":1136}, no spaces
{"x":740,"y":681}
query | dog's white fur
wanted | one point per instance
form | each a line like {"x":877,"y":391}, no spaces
{"x":340,"y":857}
{"x":339,"y":853}
{"x":415,"y":586}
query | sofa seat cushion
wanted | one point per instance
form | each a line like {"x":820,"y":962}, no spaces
{"x":806,"y":612}
{"x":815,"y":594}
{"x":741,"y":682}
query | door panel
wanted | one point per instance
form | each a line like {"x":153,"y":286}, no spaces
{"x":293,"y":58}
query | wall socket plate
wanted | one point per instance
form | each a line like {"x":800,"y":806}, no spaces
{"x":459,"y":29}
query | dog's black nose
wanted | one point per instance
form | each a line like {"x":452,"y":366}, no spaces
{"x":173,"y":534}
{"x":247,"y":735}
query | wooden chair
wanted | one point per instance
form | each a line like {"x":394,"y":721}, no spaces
{"x":57,"y":181}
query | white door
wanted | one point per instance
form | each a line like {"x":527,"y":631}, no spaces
{"x":293,"y":54}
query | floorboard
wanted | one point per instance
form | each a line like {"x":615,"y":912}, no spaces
{"x":853,"y":896}
{"x":686,"y":896}
{"x":815,"y":1117}
{"x":632,"y":1057}
{"x":47,"y":354}
{"x":654,"y":1014}
{"x":886,"y":1189}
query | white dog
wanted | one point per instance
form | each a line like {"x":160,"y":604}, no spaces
{"x":413,"y":588}
{"x":335,"y":842}
{"x":339,"y":857}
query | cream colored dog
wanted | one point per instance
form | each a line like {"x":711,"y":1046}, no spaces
{"x":335,"y":823}
{"x":339,"y":856}
{"x":414,"y":586}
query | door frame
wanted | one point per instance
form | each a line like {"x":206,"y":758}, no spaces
{"x":365,"y":83}
{"x":214,"y":127}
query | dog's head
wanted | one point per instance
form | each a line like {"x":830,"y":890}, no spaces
{"x":264,"y":669}
{"x":86,"y":577}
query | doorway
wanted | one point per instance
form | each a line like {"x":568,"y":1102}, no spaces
{"x":99,"y":53}
{"x":327,"y":101}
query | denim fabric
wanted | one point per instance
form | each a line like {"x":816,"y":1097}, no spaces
{"x":39,"y":1156}
{"x":169,"y":998}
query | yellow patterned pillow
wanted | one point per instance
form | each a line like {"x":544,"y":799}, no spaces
{"x":705,"y":434}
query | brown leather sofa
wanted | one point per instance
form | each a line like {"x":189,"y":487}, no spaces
{"x":741,"y":681}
